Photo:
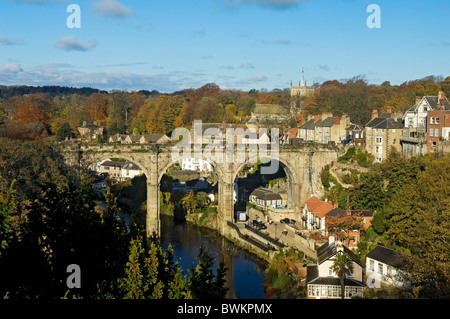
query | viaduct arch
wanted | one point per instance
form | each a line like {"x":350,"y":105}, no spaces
{"x":302,"y":166}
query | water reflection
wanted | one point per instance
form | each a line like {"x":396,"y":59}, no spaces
{"x":244,"y":275}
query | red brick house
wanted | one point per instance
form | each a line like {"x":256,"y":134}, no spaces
{"x":353,"y":235}
{"x":438,"y":123}
{"x":90,"y":131}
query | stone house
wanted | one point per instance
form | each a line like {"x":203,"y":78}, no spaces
{"x":265,"y":198}
{"x":90,"y":131}
{"x":154,"y":138}
{"x":117,"y":138}
{"x":112,"y":168}
{"x":120,"y":171}
{"x":306,"y":130}
{"x":324,"y":128}
{"x":383,"y":133}
{"x":131,"y":138}
{"x":130,"y":170}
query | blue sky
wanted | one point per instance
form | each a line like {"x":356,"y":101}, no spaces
{"x":168,"y":45}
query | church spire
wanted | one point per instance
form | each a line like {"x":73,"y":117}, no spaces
{"x":302,"y":83}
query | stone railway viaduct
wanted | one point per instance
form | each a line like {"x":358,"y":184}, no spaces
{"x":302,"y":165}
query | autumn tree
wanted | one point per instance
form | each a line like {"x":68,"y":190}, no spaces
{"x":418,"y":219}
{"x":96,"y":105}
{"x":269,"y":99}
{"x":341,"y":226}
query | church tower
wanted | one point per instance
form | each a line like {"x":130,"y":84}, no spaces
{"x":302,"y":90}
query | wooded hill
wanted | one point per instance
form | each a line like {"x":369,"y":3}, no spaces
{"x":53,"y":111}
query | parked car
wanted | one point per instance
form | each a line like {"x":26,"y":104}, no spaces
{"x":258,"y":224}
{"x":287,"y":221}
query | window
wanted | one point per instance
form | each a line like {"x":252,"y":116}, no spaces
{"x":380,"y":268}
{"x":330,"y":272}
{"x":378,"y":139}
{"x":436,"y":132}
{"x":431,"y":120}
{"x":431,"y":132}
{"x":436,"y":120}
{"x":433,"y":144}
{"x":372,"y":265}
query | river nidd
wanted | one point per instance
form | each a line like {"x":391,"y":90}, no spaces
{"x":245,"y":272}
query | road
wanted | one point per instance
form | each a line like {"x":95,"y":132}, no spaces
{"x":285,"y":233}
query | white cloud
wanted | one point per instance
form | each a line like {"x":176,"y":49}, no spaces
{"x":10,"y":69}
{"x":324,"y":67}
{"x":283,"y":41}
{"x":228,"y":67}
{"x":247,"y":65}
{"x":258,"y":78}
{"x":71,"y":44}
{"x":112,"y":9}
{"x":66,"y":75}
{"x":8,"y":41}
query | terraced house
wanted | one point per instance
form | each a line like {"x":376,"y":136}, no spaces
{"x":383,"y":133}
{"x":324,"y":128}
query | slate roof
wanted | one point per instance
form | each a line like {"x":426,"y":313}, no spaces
{"x":134,"y":138}
{"x":354,"y":127}
{"x":328,"y":250}
{"x":433,"y":102}
{"x":151,"y":138}
{"x":328,"y":122}
{"x":308,"y":125}
{"x":386,"y":256}
{"x":265,"y":194}
{"x":113,"y":163}
{"x":131,"y":166}
{"x":385,"y":123}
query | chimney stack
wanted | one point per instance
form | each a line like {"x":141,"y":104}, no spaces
{"x":440,"y":102}
{"x":389,"y":109}
{"x":374,"y":114}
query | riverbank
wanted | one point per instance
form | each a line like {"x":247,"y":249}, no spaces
{"x":211,"y":220}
